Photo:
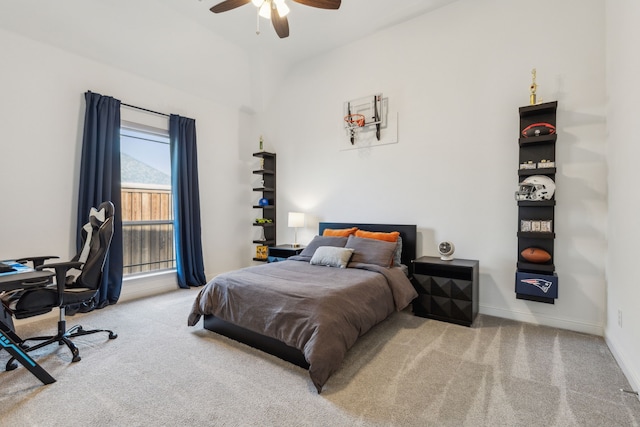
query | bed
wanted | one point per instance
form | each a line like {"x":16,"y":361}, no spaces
{"x":307,"y":310}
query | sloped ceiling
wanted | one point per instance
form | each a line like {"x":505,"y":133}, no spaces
{"x":182,"y":44}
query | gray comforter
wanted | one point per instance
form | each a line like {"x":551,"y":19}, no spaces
{"x":319,"y":310}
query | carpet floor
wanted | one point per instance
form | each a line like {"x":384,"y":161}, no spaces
{"x":407,"y":371}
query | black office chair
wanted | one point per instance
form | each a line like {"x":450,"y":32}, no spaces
{"x":68,"y":290}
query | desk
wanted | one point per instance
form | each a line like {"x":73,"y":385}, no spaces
{"x":9,"y":340}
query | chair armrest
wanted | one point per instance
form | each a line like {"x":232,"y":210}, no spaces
{"x":36,"y":260}
{"x":35,"y":284}
{"x":65,"y":266}
{"x":61,"y":269}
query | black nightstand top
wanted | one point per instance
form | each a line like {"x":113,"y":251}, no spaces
{"x":457,"y":262}
{"x":288,"y":246}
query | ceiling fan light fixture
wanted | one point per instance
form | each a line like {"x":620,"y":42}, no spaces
{"x":265,"y":10}
{"x":283,"y":9}
{"x":257,"y":3}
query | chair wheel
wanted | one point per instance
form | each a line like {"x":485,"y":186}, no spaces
{"x":11,"y":366}
{"x":76,"y":359}
{"x":112,"y":336}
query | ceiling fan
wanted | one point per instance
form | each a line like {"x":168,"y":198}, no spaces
{"x":275,"y":10}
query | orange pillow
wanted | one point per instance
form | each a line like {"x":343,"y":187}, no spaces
{"x":344,"y":232}
{"x":378,"y":235}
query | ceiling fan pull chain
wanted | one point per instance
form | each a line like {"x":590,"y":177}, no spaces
{"x":258,"y":21}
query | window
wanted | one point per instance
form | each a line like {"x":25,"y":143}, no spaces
{"x":147,"y":210}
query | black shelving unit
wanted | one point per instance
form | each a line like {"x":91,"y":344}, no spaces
{"x":537,"y":281}
{"x":267,"y":190}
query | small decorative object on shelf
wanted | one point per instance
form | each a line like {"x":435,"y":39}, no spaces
{"x":533,"y":88}
{"x":536,"y":255}
{"x":262,"y":252}
{"x":545,"y":226}
{"x":261,"y":143}
{"x":446,"y":250}
{"x":534,"y":225}
{"x":527,"y":165}
{"x":263,"y":202}
{"x":536,"y":187}
{"x":544,"y":164}
{"x":538,"y":129}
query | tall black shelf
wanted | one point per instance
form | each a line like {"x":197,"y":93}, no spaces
{"x":267,"y":190}
{"x":537,"y":281}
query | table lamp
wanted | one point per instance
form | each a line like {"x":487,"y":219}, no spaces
{"x":296,"y":219}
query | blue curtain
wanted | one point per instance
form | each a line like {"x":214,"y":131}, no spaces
{"x":100,"y":181}
{"x":186,"y":201}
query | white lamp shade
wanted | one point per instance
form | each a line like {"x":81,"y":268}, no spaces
{"x":296,"y":219}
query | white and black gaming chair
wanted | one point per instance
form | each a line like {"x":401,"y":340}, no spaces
{"x":67,"y":290}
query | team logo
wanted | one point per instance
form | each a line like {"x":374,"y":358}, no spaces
{"x":543,"y":285}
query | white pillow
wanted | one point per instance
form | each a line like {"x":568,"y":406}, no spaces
{"x":331,"y":256}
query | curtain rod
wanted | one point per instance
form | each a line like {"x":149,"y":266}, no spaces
{"x":144,"y":109}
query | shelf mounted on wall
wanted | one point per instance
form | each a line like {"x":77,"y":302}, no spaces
{"x":536,"y":277}
{"x":266,"y":204}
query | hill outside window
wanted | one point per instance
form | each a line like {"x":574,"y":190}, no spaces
{"x":147,"y":210}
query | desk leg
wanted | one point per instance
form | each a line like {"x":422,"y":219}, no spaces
{"x":21,"y":356}
{"x":6,"y":318}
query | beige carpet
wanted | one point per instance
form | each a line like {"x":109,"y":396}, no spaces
{"x":408,"y":371}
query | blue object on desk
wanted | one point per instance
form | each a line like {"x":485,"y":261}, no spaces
{"x":13,"y":267}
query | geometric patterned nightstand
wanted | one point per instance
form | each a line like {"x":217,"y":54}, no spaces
{"x":447,"y":290}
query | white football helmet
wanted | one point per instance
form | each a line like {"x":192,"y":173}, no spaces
{"x":535,"y":188}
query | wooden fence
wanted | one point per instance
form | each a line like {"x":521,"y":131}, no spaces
{"x":147,"y":227}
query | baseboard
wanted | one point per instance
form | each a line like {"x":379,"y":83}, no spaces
{"x":632,"y":376}
{"x":542,"y":319}
{"x":135,"y":287}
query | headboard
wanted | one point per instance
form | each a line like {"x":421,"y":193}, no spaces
{"x":407,"y":232}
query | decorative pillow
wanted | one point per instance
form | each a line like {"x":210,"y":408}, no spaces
{"x":318,"y":241}
{"x":397,"y":254}
{"x":387,"y":237}
{"x":343,"y":232}
{"x":332,"y":256}
{"x":371,"y":251}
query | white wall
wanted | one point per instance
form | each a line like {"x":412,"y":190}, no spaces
{"x":42,"y":113}
{"x":457,"y":77}
{"x":623,"y":61}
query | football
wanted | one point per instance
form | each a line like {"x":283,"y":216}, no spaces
{"x":538,"y":129}
{"x":536,"y":255}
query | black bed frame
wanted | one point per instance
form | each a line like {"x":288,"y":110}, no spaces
{"x":277,"y":347}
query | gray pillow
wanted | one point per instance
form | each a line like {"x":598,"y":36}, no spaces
{"x":331,"y":256}
{"x":318,"y":241}
{"x":371,"y":251}
{"x":397,"y":254}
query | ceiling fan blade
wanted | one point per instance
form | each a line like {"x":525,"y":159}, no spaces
{"x":228,"y":5}
{"x":322,"y":4}
{"x":280,"y":24}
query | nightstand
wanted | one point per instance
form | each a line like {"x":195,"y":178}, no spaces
{"x":282,"y":252}
{"x":447,"y":290}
